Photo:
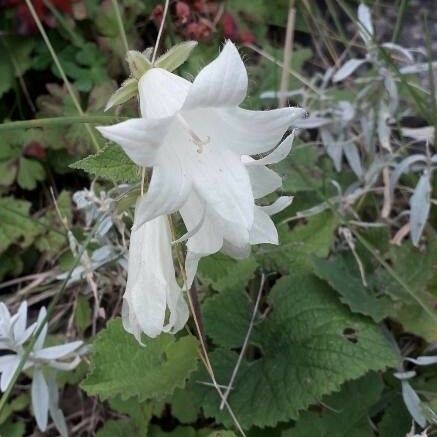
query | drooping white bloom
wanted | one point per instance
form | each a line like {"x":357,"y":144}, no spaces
{"x":216,"y":234}
{"x":151,"y":287}
{"x":44,"y":393}
{"x":195,"y":136}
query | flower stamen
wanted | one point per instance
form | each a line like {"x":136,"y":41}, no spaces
{"x":194,"y":137}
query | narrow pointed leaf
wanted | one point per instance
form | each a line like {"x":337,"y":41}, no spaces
{"x":176,"y":56}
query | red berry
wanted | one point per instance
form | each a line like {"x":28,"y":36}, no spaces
{"x":35,"y":150}
{"x":229,"y":26}
{"x":182,"y":11}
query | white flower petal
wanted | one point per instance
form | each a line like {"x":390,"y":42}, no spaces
{"x":151,"y":280}
{"x":55,"y":412}
{"x":250,"y":132}
{"x":162,"y":93}
{"x":263,"y":180}
{"x":218,"y":177}
{"x":168,"y":190}
{"x":40,"y":399}
{"x":42,"y":336}
{"x":20,"y":322}
{"x":263,"y":230}
{"x":56,"y":352}
{"x":223,"y":82}
{"x":8,"y":366}
{"x":207,"y":240}
{"x":27,"y":333}
{"x":278,"y":205}
{"x":5,"y":320}
{"x":139,"y":138}
{"x":178,"y":309}
{"x":129,"y":321}
{"x":236,"y":241}
{"x":234,"y":251}
{"x":194,"y":228}
{"x":277,"y":154}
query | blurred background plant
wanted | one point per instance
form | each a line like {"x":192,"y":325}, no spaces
{"x":356,"y":268}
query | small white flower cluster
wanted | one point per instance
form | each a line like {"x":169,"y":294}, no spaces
{"x":41,"y":364}
{"x":199,"y":143}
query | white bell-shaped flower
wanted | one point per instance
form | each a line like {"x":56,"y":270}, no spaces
{"x":153,"y":301}
{"x":195,"y":136}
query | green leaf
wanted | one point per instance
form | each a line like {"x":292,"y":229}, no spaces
{"x":138,"y":66}
{"x":82,"y":313}
{"x":183,"y":407}
{"x":395,"y":421}
{"x":343,"y":276}
{"x":128,"y":90}
{"x":54,"y":238}
{"x":110,"y":163}
{"x":17,"y":404}
{"x":417,"y":269}
{"x":10,"y":263}
{"x":307,"y":347}
{"x":346,"y":413}
{"x":225,"y":273}
{"x":176,"y":56}
{"x":15,"y":53}
{"x":15,"y":224}
{"x":139,"y":413}
{"x":180,"y":431}
{"x":118,"y":428}
{"x":30,"y":172}
{"x":120,"y":366}
{"x":313,"y":238}
{"x":12,"y":429}
{"x":297,"y":167}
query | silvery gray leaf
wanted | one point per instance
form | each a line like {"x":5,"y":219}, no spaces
{"x":417,"y":68}
{"x":392,"y":90}
{"x":425,"y":133}
{"x":383,"y":127}
{"x":402,"y":167}
{"x":368,"y":128}
{"x":365,"y":23}
{"x":347,"y":111}
{"x":347,"y":69}
{"x":55,"y":412}
{"x":353,"y":158}
{"x":404,"y":376}
{"x":419,"y":207}
{"x":375,"y":169}
{"x":57,"y":352}
{"x":327,"y":76}
{"x":397,"y":48}
{"x":413,"y":404}
{"x":277,"y":94}
{"x":40,"y":399}
{"x":333,"y":148}
{"x":423,"y":360}
{"x":104,"y":226}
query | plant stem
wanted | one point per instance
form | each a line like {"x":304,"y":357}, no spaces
{"x":120,"y":24}
{"x":288,"y":51}
{"x":161,"y":28}
{"x":401,"y":14}
{"x":59,"y":121}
